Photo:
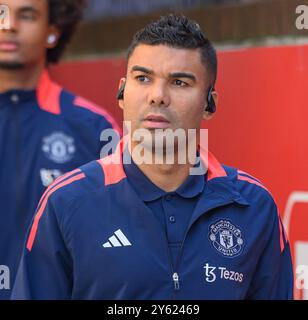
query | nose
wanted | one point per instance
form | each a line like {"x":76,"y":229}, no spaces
{"x":159,"y":95}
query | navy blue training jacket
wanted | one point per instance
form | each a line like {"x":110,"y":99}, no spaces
{"x":43,"y":133}
{"x":94,"y":238}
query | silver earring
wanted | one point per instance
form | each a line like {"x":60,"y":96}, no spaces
{"x":51,"y":39}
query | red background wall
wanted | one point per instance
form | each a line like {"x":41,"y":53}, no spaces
{"x":262,"y":121}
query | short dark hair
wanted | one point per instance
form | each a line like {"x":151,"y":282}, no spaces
{"x":65,"y":15}
{"x":179,"y":32}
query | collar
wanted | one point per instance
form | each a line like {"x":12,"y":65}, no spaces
{"x":217,"y":181}
{"x":148,"y":191}
{"x":16,"y":97}
{"x":46,"y":95}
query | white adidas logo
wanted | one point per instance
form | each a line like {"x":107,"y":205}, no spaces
{"x":117,"y":240}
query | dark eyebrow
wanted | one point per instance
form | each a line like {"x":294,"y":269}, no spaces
{"x":28,"y":9}
{"x":183,"y":75}
{"x":142,"y":69}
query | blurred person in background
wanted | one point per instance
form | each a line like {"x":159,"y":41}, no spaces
{"x":45,"y":131}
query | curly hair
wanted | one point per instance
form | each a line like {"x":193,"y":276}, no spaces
{"x":178,"y":31}
{"x":65,"y":15}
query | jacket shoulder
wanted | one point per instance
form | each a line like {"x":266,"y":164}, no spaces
{"x":248,"y":185}
{"x":75,"y":184}
{"x":79,"y":108}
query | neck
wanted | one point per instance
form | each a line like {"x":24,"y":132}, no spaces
{"x":168,"y":177}
{"x":25,"y":78}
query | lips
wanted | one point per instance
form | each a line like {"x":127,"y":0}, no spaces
{"x":8,"y":46}
{"x":156,"y":118}
{"x":154,"y":121}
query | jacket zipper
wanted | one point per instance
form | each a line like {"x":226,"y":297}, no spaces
{"x":175,"y":276}
{"x":175,"y":273}
{"x":17,"y":138}
{"x":176,"y":281}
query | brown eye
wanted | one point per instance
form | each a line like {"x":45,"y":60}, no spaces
{"x":27,"y":16}
{"x":142,"y":79}
{"x":179,"y":83}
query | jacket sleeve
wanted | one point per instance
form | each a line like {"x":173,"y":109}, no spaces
{"x":45,"y":270}
{"x":273,"y":278}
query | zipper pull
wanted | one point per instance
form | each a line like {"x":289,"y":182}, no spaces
{"x":175,"y":277}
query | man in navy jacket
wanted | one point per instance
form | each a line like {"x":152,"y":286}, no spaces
{"x":45,"y":131}
{"x":135,"y":225}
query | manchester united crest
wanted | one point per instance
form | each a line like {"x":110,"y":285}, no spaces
{"x":59,"y":147}
{"x":226,"y":238}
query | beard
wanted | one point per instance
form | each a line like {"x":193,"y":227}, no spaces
{"x":11,"y":65}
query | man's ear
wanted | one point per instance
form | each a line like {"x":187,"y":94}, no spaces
{"x":53,"y":36}
{"x":208,"y":115}
{"x":121,"y":85}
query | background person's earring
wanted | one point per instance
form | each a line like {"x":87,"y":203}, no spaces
{"x":51,"y":39}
